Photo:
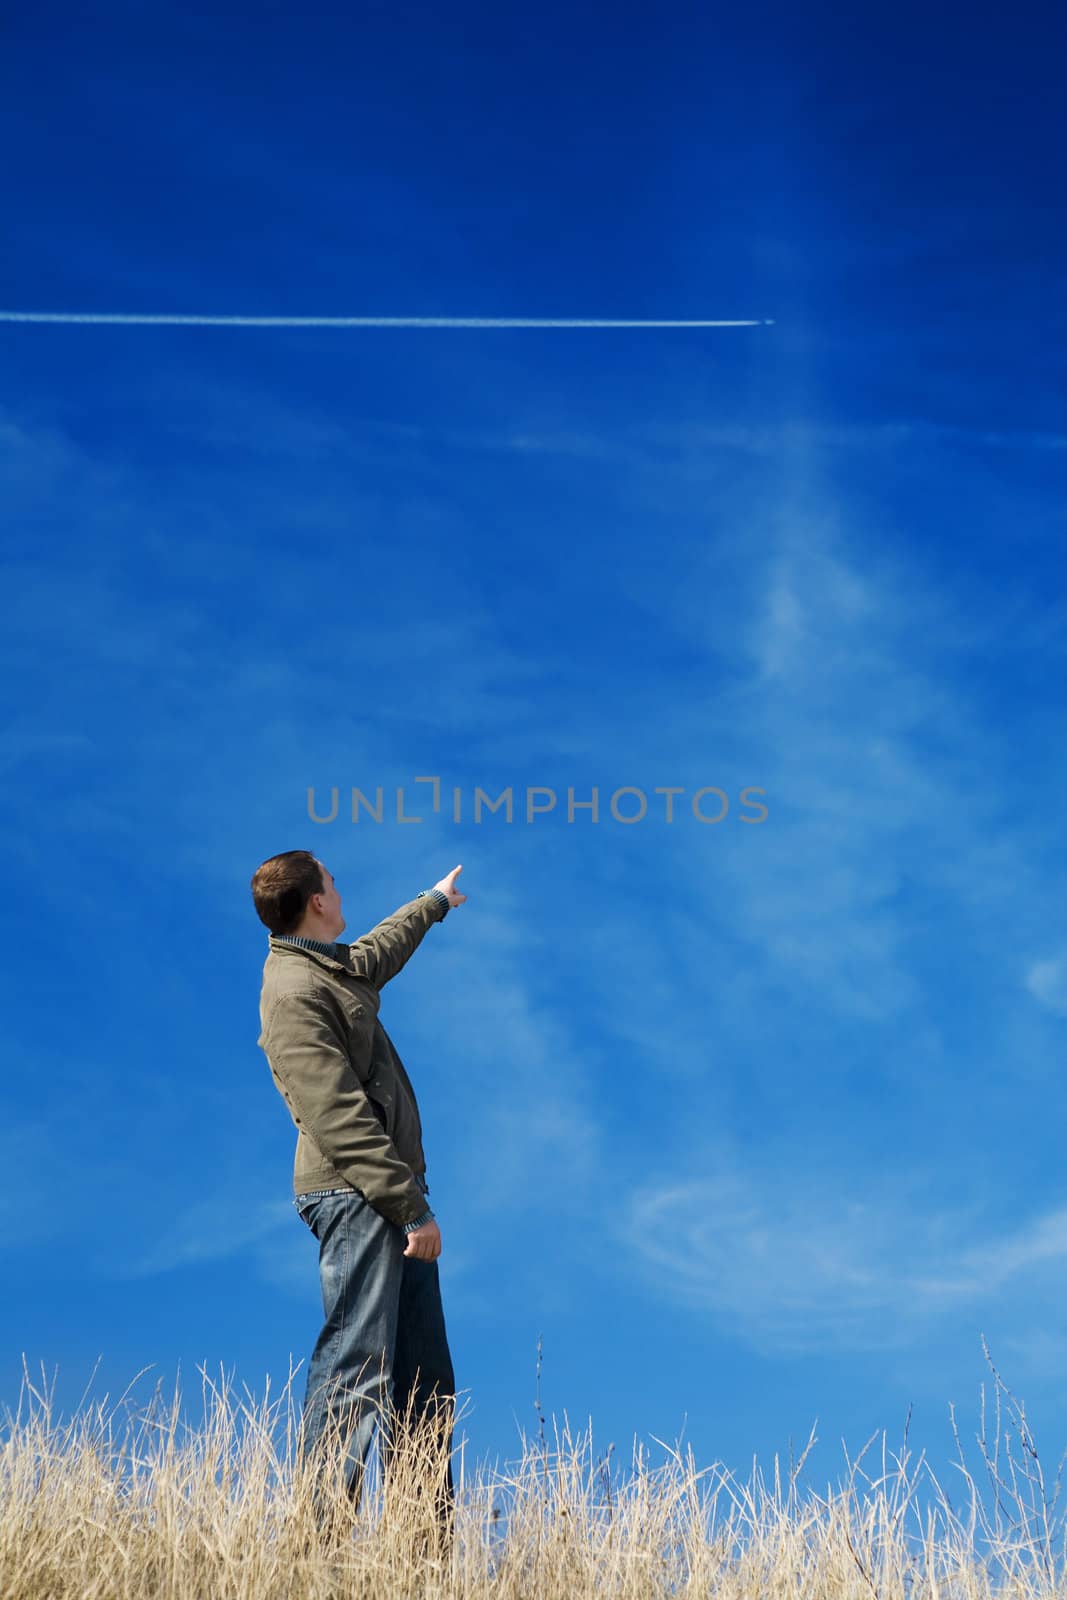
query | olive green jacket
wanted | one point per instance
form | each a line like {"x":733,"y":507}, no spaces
{"x":336,"y":1068}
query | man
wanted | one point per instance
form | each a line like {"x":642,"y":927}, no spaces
{"x":359,"y":1174}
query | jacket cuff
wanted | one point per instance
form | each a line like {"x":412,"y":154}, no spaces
{"x":409,"y":1227}
{"x":439,"y":898}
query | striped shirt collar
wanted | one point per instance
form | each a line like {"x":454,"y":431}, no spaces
{"x":335,"y":952}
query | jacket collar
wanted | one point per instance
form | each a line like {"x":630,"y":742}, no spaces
{"x":339,"y":963}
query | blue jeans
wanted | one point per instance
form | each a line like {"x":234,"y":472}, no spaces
{"x":383,"y":1345}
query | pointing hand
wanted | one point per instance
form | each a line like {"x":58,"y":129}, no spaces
{"x":447,"y":887}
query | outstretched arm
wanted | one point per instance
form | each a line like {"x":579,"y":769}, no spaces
{"x":380,"y":954}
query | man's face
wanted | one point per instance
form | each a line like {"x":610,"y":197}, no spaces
{"x":330,"y":903}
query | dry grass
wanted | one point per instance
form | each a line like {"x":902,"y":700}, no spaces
{"x":225,"y":1510}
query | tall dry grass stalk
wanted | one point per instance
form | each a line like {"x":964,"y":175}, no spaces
{"x":227,"y":1511}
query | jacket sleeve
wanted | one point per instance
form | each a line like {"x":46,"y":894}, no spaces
{"x":308,"y":1057}
{"x":382,"y":952}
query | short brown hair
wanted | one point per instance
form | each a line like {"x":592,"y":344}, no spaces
{"x":282,"y":887}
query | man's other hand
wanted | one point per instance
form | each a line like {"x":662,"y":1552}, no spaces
{"x":447,"y":886}
{"x":425,"y":1242}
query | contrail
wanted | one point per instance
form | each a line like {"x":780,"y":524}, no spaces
{"x":160,"y":318}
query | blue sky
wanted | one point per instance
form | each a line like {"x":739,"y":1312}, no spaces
{"x":753,"y":1124}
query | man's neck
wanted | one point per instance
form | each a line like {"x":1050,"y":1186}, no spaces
{"x":320,"y":932}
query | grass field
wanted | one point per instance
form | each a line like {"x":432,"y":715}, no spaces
{"x":125,"y":1503}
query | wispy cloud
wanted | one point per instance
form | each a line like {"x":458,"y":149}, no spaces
{"x":214,"y":1228}
{"x":1047,"y":982}
{"x":854,"y":702}
{"x":685,"y":443}
{"x":795,"y":1263}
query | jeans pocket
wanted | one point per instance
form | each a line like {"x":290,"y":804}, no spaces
{"x":308,"y":1206}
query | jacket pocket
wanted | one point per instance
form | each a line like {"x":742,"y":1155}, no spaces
{"x":381,"y":1103}
{"x":359,"y":1039}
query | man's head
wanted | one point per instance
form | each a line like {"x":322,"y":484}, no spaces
{"x":295,"y":893}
